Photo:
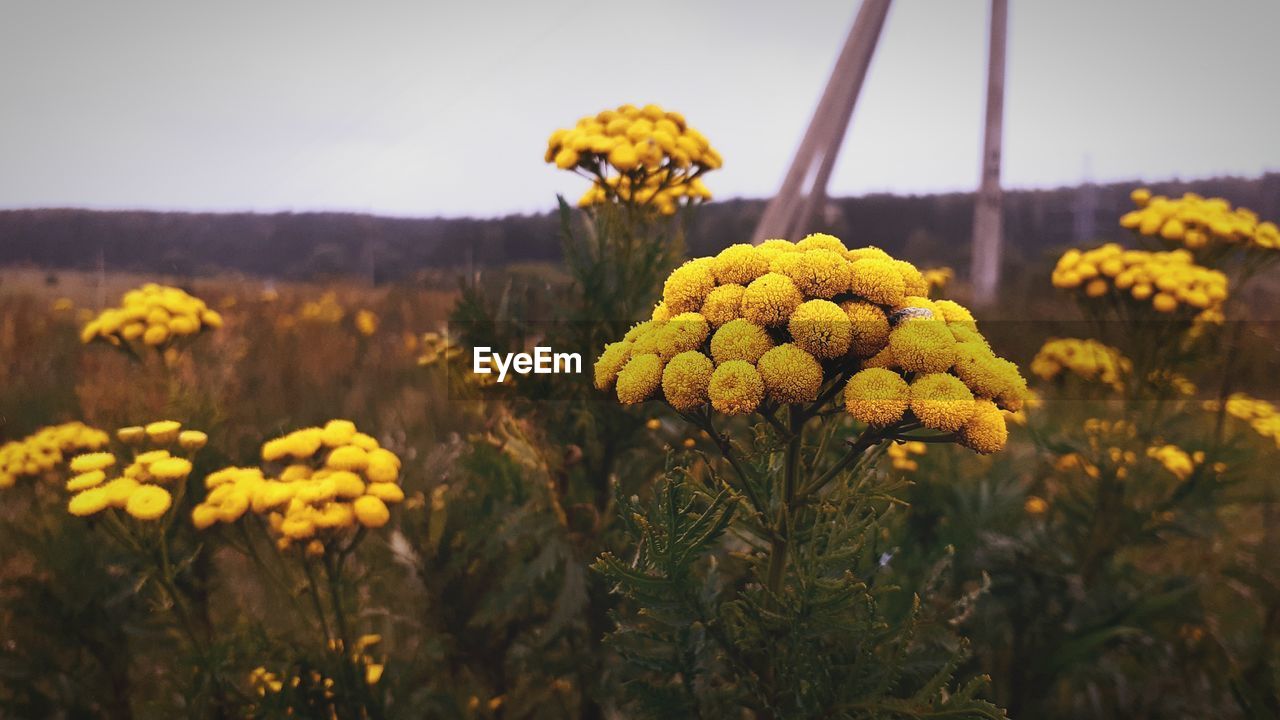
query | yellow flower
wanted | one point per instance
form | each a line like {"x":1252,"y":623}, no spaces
{"x":954,"y":312}
{"x":611,"y":361}
{"x":790,"y":374}
{"x":822,"y":241}
{"x":204,"y":516}
{"x":371,"y":511}
{"x":1035,"y":505}
{"x":91,"y":501}
{"x":132,"y":435}
{"x":170,"y":469}
{"x":816,"y":273}
{"x":869,"y":326}
{"x":985,"y":432}
{"x":389,"y":493}
{"x":913,"y":281}
{"x":723,"y":304}
{"x":822,"y":328}
{"x":877,"y":280}
{"x":338,"y":432}
{"x":92,"y":461}
{"x":739,"y":339}
{"x":990,"y":376}
{"x":348,"y":457}
{"x":923,"y":346}
{"x":163,"y":432}
{"x":687,"y":286}
{"x":192,"y":439}
{"x":941,"y":401}
{"x":685,"y":380}
{"x":148,"y":502}
{"x":640,"y":379}
{"x":736,"y":388}
{"x":877,"y":396}
{"x":770,"y":299}
{"x":120,"y":490}
{"x":156,"y":335}
{"x":739,"y":264}
{"x":86,"y":480}
{"x":384,"y":466}
{"x":686,"y":331}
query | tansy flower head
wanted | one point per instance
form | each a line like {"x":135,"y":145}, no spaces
{"x":869,"y":327}
{"x":821,"y":328}
{"x":723,"y":304}
{"x":610,"y":362}
{"x":92,"y":461}
{"x":688,"y":285}
{"x":877,"y":280}
{"x":770,"y":299}
{"x":640,"y":379}
{"x":985,"y":432}
{"x":739,"y":340}
{"x":739,"y":264}
{"x":923,"y":346}
{"x":685,"y":380}
{"x":148,"y":502}
{"x":822,"y":241}
{"x":816,"y":273}
{"x":163,"y":432}
{"x":790,"y":374}
{"x":941,"y":401}
{"x":877,"y":396}
{"x":736,"y":388}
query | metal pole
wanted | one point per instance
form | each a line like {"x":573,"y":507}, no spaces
{"x":987,"y":220}
{"x":792,"y":208}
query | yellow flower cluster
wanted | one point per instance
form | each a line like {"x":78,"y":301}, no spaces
{"x":140,"y":487}
{"x":331,"y":479}
{"x":636,"y":155}
{"x":154,"y":315}
{"x":45,"y":449}
{"x":1175,"y":459}
{"x":900,"y":455}
{"x":1197,"y":222}
{"x":265,"y":682}
{"x":938,"y":278}
{"x":366,"y":322}
{"x":327,"y":309}
{"x":1261,"y":415}
{"x":657,"y":190}
{"x":1088,"y":359}
{"x":780,"y":321}
{"x":1168,"y":280}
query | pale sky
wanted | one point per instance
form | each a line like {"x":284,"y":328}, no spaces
{"x":423,"y":108}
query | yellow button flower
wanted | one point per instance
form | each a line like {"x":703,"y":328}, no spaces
{"x":148,"y":502}
{"x":640,"y":379}
{"x":685,"y":380}
{"x":790,"y":374}
{"x":877,"y":396}
{"x":736,"y":388}
{"x":941,"y":401}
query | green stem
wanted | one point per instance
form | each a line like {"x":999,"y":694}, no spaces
{"x":778,"y":546}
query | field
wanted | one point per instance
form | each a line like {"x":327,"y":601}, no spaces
{"x":800,"y":479}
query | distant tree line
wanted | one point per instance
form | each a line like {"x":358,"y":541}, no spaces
{"x":931,"y":229}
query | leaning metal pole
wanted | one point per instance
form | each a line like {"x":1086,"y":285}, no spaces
{"x":987,"y":221}
{"x":804,"y":187}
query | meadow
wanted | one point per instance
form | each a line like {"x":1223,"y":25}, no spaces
{"x":800,"y":479}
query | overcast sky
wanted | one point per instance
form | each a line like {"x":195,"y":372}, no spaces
{"x":419,"y":108}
